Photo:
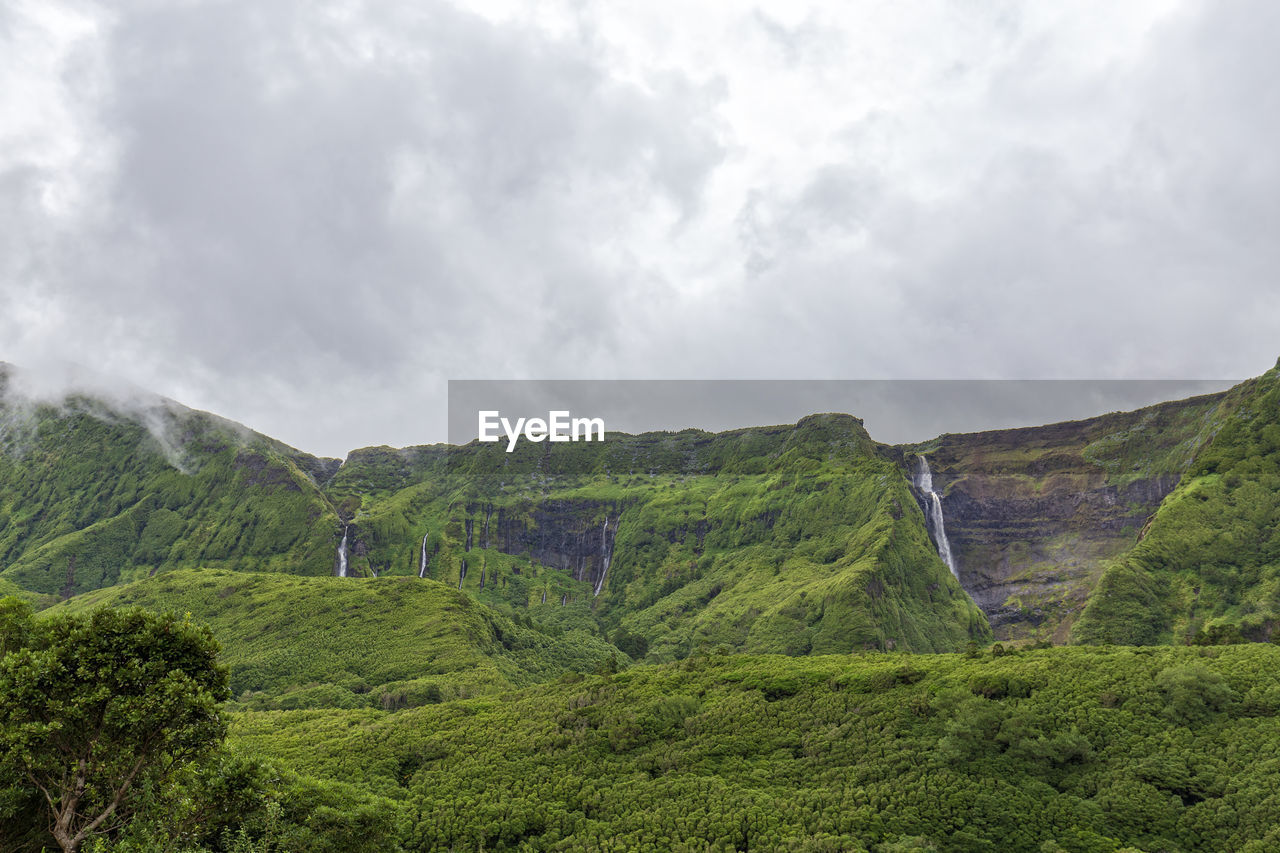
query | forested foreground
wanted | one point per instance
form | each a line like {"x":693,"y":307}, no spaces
{"x":112,"y":739}
{"x":1058,"y":749}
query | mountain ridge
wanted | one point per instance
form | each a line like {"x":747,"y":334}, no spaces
{"x":796,"y":538}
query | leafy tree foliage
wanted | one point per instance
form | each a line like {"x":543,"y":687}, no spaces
{"x":97,"y":708}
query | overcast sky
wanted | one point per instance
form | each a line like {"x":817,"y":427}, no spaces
{"x":308,"y":216}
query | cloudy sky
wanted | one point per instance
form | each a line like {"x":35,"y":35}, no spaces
{"x":307,"y":216}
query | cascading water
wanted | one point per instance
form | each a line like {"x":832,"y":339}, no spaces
{"x":342,"y":553}
{"x":604,"y":555}
{"x":924,"y":482}
{"x":422,"y":563}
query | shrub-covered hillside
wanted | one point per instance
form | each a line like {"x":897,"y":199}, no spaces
{"x":1077,"y":749}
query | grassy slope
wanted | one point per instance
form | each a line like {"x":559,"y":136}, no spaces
{"x":306,"y":642}
{"x":1211,"y":555}
{"x":1088,"y":749}
{"x":780,"y":539}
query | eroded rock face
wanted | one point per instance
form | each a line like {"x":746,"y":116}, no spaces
{"x":574,"y":536}
{"x":1033,"y":514}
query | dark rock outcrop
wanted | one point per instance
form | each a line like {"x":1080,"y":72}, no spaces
{"x":564,"y":534}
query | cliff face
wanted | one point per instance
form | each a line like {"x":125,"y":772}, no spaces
{"x":1034,"y":514}
{"x":573,"y":536}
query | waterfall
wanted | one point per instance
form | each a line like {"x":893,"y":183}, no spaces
{"x":422,"y":563}
{"x":462,"y":574}
{"x":342,"y":553}
{"x":544,"y":596}
{"x":604,"y":556}
{"x":924,"y":482}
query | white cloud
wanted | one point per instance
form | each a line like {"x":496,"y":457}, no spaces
{"x":307,"y":216}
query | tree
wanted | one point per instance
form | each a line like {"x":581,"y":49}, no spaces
{"x":1193,"y":694}
{"x":96,"y":707}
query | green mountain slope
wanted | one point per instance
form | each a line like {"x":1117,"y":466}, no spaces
{"x":294,"y":642}
{"x":797,"y":539}
{"x":1071,"y":749}
{"x":93,"y":493}
{"x":1210,"y":559}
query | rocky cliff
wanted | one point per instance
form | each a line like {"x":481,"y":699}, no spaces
{"x":1034,"y":514}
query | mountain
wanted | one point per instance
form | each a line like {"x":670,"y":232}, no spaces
{"x":99,"y":489}
{"x":1146,"y":526}
{"x":687,"y":640}
{"x":797,"y":539}
{"x":793,"y":539}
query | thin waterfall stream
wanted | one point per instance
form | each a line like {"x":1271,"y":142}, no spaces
{"x":342,"y":552}
{"x":605,"y":555}
{"x":933,"y":501}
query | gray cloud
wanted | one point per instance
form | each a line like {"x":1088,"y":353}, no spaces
{"x":308,"y":216}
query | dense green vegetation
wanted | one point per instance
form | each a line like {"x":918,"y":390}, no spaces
{"x":393,"y":642}
{"x":91,"y":496}
{"x":1209,"y":564}
{"x":1077,"y":749}
{"x":1061,"y":749}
